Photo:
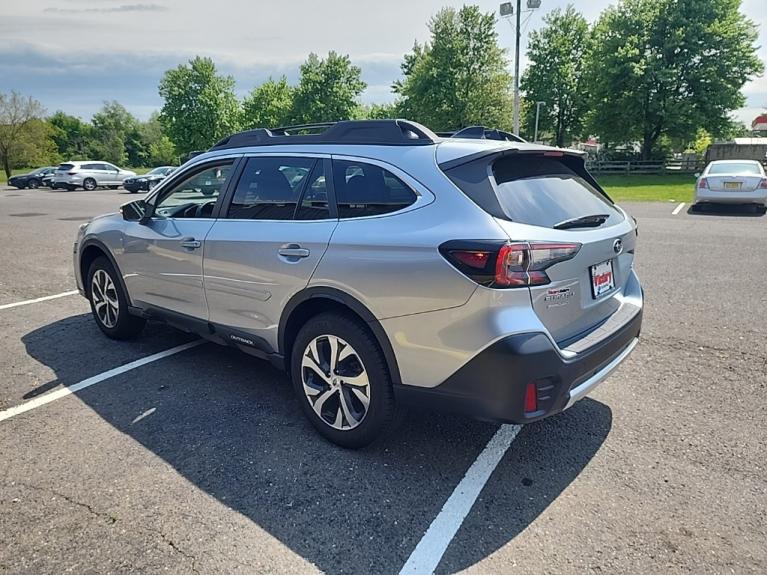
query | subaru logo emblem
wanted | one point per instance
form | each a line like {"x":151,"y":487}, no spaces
{"x":618,"y":246}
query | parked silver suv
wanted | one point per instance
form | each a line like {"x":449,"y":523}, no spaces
{"x":89,"y":175}
{"x":380,"y":264}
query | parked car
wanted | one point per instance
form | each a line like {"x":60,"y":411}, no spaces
{"x":89,"y":175}
{"x":379,"y":265}
{"x":47,"y":181}
{"x":32,"y":180}
{"x":148,"y":181}
{"x":731,"y":182}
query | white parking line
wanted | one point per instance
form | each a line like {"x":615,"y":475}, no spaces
{"x":432,"y":546}
{"x":677,"y":209}
{"x":64,"y":392}
{"x":39,"y":299}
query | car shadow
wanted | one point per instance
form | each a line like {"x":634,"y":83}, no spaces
{"x":737,"y":210}
{"x":231,"y":426}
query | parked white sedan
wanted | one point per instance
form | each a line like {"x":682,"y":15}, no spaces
{"x":732,"y":182}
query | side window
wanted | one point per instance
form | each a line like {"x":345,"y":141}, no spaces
{"x":367,"y":190}
{"x":91,"y":167}
{"x":270,"y":187}
{"x":314,"y":202}
{"x":196,"y":195}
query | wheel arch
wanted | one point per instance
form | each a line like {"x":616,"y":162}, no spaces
{"x":312,"y":301}
{"x":92,"y":249}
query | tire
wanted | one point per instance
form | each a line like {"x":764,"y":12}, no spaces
{"x":113,"y":187}
{"x":33,"y":184}
{"x":71,"y":188}
{"x":112,"y":316}
{"x":89,"y":184}
{"x":133,"y":191}
{"x":342,"y":416}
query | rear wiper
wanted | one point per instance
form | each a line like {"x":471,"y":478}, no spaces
{"x":592,"y":221}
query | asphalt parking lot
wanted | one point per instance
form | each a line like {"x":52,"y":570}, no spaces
{"x":202,"y":462}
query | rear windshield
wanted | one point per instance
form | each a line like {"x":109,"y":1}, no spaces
{"x":735,"y":168}
{"x":545,"y":192}
{"x":64,"y":167}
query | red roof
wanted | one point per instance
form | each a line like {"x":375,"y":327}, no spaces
{"x":761,"y":119}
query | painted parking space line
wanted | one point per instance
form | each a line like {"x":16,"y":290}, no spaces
{"x":36,"y":300}
{"x":432,"y":546}
{"x":678,"y":209}
{"x":66,"y":391}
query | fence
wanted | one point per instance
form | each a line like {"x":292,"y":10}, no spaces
{"x":682,"y":166}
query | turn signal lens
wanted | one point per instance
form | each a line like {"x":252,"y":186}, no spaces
{"x":473,"y":259}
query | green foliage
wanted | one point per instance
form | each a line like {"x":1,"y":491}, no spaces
{"x":459,"y":78}
{"x":328,"y":89}
{"x":377,"y":111}
{"x":668,"y":67}
{"x":556,"y":75}
{"x":269,"y":105}
{"x":71,"y":136}
{"x":25,"y":138}
{"x":116,"y":136}
{"x":200,"y":105}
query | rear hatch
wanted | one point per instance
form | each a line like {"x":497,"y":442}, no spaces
{"x":549,"y":201}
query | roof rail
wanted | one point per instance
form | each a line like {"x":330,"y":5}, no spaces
{"x":369,"y":132}
{"x":483,"y":133}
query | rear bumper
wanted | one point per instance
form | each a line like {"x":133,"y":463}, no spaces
{"x":758,"y":196}
{"x":492,"y":385}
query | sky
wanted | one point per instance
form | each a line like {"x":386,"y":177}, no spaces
{"x":74,"y":55}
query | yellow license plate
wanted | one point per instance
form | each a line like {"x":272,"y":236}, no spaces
{"x":732,"y":185}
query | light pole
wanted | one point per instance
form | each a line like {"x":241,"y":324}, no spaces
{"x":507,"y":10}
{"x":537,"y":114}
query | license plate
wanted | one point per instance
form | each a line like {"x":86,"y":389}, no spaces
{"x":732,"y":185}
{"x":602,"y":279}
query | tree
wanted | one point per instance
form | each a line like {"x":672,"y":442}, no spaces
{"x":158,"y":148}
{"x":327,"y":90}
{"x":116,"y":137}
{"x":460,"y":77}
{"x":556,"y":75}
{"x":269,"y":105}
{"x":668,"y":67}
{"x":377,"y":111}
{"x":71,"y":135}
{"x":200,"y":105}
{"x":23,"y":134}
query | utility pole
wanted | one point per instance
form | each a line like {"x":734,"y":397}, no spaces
{"x":537,"y":114}
{"x":506,"y":11}
{"x":516,"y":69}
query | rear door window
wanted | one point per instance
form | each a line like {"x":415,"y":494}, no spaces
{"x":65,"y":167}
{"x":270,"y":188}
{"x":364,"y":189}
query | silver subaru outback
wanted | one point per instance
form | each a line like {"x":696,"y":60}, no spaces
{"x":381,"y":265}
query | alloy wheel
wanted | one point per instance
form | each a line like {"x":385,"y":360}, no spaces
{"x":104,"y":297}
{"x":335,"y":382}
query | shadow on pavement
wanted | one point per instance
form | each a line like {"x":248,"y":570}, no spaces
{"x":230,"y":425}
{"x":738,"y":210}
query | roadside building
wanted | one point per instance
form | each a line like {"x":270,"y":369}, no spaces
{"x":739,"y":149}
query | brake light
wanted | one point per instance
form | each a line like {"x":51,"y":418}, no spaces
{"x":763,"y":184}
{"x":525,"y":264}
{"x":507,"y":265}
{"x":703,"y":184}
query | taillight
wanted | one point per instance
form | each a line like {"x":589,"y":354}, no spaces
{"x":525,"y":264}
{"x":507,"y":265}
{"x":71,"y":173}
{"x":763,"y":184}
{"x":703,"y":184}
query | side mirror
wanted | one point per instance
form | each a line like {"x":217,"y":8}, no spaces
{"x":134,"y":211}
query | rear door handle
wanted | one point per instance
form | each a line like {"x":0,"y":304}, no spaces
{"x":293,"y":251}
{"x":191,"y":243}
